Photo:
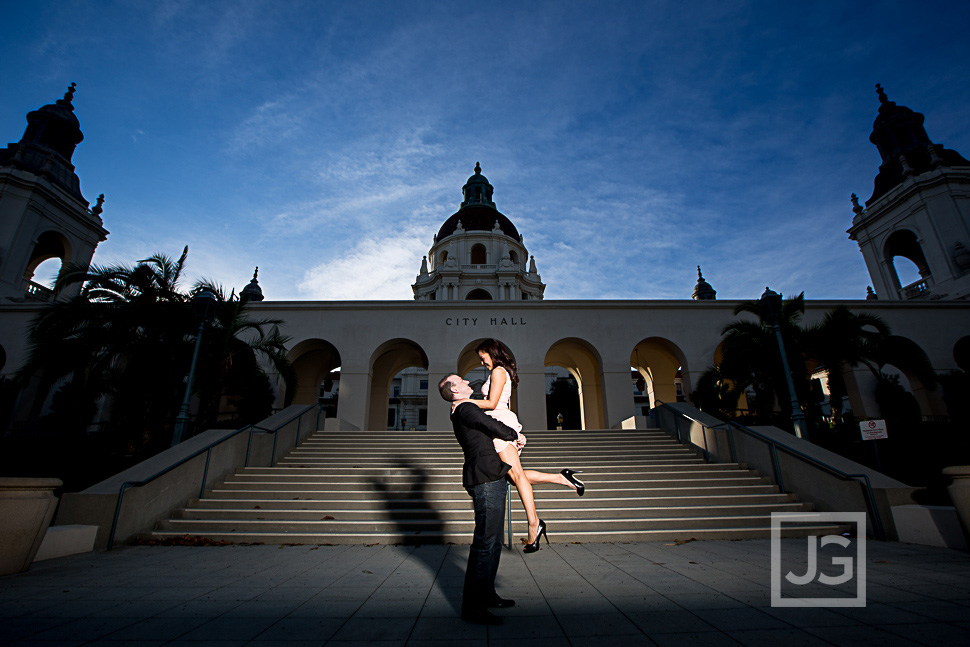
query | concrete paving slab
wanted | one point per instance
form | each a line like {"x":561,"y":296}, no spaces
{"x":703,"y":593}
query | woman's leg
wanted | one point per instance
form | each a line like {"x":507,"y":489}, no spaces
{"x":544,"y":477}
{"x":511,"y":457}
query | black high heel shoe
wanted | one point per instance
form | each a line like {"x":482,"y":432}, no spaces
{"x":534,"y":546}
{"x":580,"y":488}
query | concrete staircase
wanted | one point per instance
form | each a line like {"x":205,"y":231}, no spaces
{"x":396,"y":487}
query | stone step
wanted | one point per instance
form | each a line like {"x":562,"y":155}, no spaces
{"x":462,"y":525}
{"x":450,"y":472}
{"x":451,"y":537}
{"x":393,"y":484}
{"x":461,"y":501}
{"x":405,"y":487}
{"x":461,"y":514}
{"x":324,"y":493}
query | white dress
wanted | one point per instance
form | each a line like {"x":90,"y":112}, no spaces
{"x":501,"y":412}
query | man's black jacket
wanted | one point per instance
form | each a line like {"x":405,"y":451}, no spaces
{"x":474,"y":430}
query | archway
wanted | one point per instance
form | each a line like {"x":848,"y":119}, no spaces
{"x":316,"y":364}
{"x":479,"y":256}
{"x":904,"y":243}
{"x":479,"y":294}
{"x":388,"y":361}
{"x":661,"y":364}
{"x":584,"y":364}
{"x":913,"y":366}
{"x":46,"y":260}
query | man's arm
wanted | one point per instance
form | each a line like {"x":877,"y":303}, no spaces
{"x":474,"y":418}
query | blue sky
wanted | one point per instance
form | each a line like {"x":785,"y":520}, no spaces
{"x":326,"y":142}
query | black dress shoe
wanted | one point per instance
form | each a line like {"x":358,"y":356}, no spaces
{"x":580,"y":488}
{"x":480,"y":617}
{"x":500,"y":603}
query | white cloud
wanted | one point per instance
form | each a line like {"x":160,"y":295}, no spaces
{"x":380,"y":267}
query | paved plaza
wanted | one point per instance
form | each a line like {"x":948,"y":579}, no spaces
{"x":693,"y":593}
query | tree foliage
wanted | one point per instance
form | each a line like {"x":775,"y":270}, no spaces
{"x":127,"y":338}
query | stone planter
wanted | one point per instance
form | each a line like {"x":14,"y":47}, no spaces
{"x":960,"y":494}
{"x":26,"y":508}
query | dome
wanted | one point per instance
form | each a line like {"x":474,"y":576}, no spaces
{"x":477,"y":212}
{"x":703,"y":290}
{"x":55,"y":126}
{"x":477,"y":218}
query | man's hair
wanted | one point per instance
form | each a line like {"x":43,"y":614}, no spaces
{"x":444,"y":388}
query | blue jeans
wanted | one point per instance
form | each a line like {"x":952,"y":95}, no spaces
{"x":486,"y":548}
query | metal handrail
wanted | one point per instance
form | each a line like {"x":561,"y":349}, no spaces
{"x":208,"y":452}
{"x":871,"y":507}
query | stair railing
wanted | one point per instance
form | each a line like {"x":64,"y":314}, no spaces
{"x":207,"y":450}
{"x":872,"y":509}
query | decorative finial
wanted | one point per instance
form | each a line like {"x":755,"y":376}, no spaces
{"x":255,"y":272}
{"x":856,"y":207}
{"x":882,"y":94}
{"x":97,"y":207}
{"x":699,"y":277}
{"x":870,"y":295}
{"x":478,"y":168}
{"x":69,"y":95}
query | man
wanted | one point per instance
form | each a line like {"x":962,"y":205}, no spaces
{"x":483,"y":476}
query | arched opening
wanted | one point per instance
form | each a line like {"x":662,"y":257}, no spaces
{"x":563,"y":407}
{"x":479,"y":256}
{"x":46,"y":260}
{"x":961,"y":354}
{"x":904,"y":361}
{"x":479,"y":294}
{"x":660,"y":363}
{"x":514,"y":257}
{"x":582,"y":362}
{"x":910,"y":277}
{"x":406,"y":361}
{"x":407,"y":401}
{"x":443,"y":257}
{"x":316,"y":369}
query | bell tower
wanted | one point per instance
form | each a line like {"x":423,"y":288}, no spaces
{"x":919,"y":210}
{"x":42,"y":212}
{"x":478,"y":254}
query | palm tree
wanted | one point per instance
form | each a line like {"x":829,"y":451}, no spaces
{"x":750,"y":354}
{"x":843,"y":340}
{"x":128,"y":334}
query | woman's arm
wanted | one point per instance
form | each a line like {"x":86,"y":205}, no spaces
{"x":495,"y":387}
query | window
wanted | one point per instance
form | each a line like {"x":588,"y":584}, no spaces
{"x":424,"y":385}
{"x":479,"y":255}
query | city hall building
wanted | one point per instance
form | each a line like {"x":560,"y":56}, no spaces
{"x":478,"y":280}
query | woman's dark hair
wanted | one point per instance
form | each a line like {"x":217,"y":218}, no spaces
{"x":501,"y":356}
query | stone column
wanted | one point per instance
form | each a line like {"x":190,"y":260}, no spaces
{"x":439,"y":411}
{"x":532,"y":397}
{"x":618,"y":397}
{"x":353,"y":400}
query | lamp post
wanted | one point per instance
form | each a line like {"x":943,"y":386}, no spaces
{"x":771,"y":311}
{"x":203,"y":306}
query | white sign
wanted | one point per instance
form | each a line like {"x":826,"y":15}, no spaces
{"x":873,"y":429}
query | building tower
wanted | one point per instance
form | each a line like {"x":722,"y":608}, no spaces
{"x":703,"y":290}
{"x":478,"y":254}
{"x":919,"y":210}
{"x":42,"y":212}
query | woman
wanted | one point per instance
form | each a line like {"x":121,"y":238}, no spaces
{"x":497,"y":389}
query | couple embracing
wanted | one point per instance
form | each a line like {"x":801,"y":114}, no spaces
{"x":489,"y":435}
